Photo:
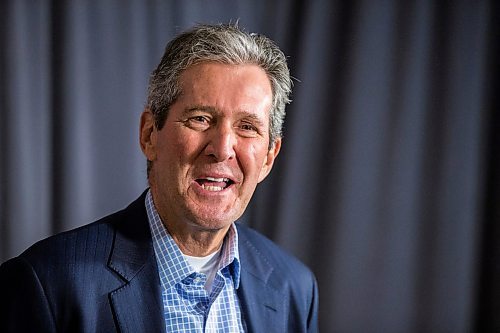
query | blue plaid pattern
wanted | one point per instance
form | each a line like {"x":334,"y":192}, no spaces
{"x":187,"y":306}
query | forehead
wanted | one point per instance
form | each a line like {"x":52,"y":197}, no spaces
{"x":222,"y":85}
{"x":204,"y":74}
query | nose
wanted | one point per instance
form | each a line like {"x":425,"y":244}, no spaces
{"x":222,"y":141}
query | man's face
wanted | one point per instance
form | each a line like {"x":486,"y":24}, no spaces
{"x":213,"y":148}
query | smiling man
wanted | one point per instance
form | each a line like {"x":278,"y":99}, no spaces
{"x":175,"y":260}
{"x":217,"y":130}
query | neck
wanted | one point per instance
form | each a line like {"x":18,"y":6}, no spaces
{"x":193,"y":241}
{"x":192,"y":237}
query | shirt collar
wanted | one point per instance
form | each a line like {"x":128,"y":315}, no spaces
{"x":172,"y":265}
{"x":230,"y":255}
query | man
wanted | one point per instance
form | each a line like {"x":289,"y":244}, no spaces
{"x":174,"y":260}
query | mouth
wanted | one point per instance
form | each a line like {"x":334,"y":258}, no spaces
{"x":214,"y":184}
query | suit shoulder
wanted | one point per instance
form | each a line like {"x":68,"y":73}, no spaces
{"x":89,"y":244}
{"x":74,"y":243}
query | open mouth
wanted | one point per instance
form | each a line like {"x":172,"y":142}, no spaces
{"x":214,"y":184}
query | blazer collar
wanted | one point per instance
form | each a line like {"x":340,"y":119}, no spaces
{"x":261,"y":301}
{"x":137,"y":304}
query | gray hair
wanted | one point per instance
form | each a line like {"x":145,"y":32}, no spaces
{"x":226,"y":44}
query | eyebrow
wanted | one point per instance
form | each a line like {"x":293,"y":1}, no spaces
{"x":256,"y":120}
{"x":213,"y":111}
{"x":203,"y":108}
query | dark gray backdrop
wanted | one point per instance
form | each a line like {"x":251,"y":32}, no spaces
{"x":387,"y":185}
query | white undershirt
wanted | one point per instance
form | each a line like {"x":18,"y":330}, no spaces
{"x":205,"y":265}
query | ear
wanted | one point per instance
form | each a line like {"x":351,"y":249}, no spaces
{"x":269,"y":160}
{"x":148,"y":135}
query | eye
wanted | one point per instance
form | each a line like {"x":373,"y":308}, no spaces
{"x":199,"y":122}
{"x":248,"y":129}
{"x":199,"y":119}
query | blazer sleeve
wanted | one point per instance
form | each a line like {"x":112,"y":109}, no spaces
{"x":312,"y":320}
{"x":23,"y":303}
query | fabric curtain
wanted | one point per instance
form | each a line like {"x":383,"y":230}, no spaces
{"x":388,"y":182}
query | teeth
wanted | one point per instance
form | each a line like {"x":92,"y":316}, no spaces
{"x":216,"y":181}
{"x":212,"y":188}
{"x":212,"y":179}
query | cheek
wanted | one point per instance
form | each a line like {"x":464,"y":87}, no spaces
{"x":173,"y":143}
{"x":168,"y":155}
{"x":253,"y":159}
{"x":179,"y":152}
{"x":187,"y":149}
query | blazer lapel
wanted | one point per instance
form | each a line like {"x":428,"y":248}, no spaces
{"x":137,"y":304}
{"x":262,"y":304}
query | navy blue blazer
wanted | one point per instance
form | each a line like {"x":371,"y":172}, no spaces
{"x":103,"y":277}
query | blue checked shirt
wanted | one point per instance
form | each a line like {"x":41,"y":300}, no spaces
{"x":187,"y":306}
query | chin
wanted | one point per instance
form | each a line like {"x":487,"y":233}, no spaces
{"x":217,"y":221}
{"x":214,"y":222}
{"x":212,"y":215}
